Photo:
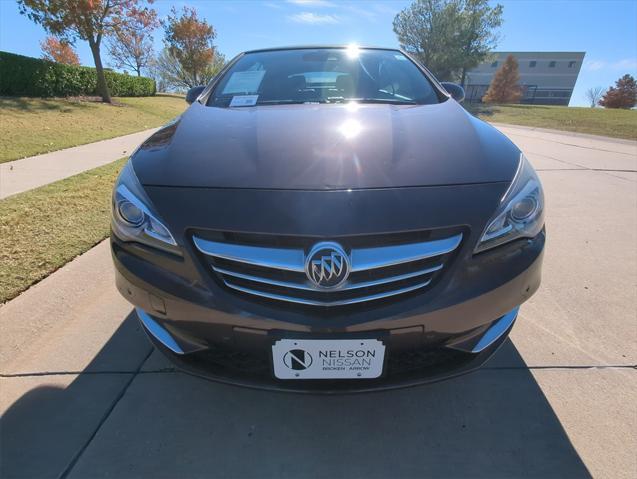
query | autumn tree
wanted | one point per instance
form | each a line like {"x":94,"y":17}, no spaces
{"x":58,"y":51}
{"x":188,"y":43}
{"x":594,"y":94}
{"x":88,"y":20}
{"x":622,"y":95}
{"x":131,"y":44}
{"x":504,"y":87}
{"x":449,"y":36}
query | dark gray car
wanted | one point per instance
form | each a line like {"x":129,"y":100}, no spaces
{"x":327,"y":219}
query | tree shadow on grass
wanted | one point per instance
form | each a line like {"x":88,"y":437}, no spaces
{"x":63,"y":105}
{"x":492,"y":423}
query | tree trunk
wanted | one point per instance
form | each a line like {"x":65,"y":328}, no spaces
{"x":463,"y":77}
{"x":102,"y":88}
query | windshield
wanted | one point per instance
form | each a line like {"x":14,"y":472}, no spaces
{"x":324,"y":75}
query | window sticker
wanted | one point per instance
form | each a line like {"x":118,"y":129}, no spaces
{"x":244,"y":100}
{"x":400,"y":57}
{"x":244,"y":82}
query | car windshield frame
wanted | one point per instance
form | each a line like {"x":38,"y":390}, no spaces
{"x":238,"y":86}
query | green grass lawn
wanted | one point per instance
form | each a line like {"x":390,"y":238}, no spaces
{"x":34,"y":125}
{"x":595,"y":121}
{"x":43,"y":229}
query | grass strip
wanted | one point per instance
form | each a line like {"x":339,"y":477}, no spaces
{"x":43,"y":229}
{"x":594,"y":121}
{"x":32,"y":126}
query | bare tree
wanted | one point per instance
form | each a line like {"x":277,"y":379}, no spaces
{"x":131,"y":44}
{"x":169,"y":72}
{"x":594,"y":94}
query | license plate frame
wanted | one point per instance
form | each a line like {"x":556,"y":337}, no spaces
{"x":328,"y":359}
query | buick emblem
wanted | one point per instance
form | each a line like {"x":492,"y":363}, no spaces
{"x":327,"y":265}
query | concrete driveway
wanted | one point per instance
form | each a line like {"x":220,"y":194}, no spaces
{"x":84,"y":395}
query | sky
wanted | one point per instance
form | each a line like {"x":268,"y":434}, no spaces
{"x":605,"y":29}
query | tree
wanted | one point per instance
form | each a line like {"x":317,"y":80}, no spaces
{"x":449,"y":36}
{"x":594,"y":94}
{"x":89,"y":20}
{"x":131,"y":44}
{"x":504,"y":87}
{"x":168,"y":71}
{"x":58,"y":51}
{"x":622,"y":95}
{"x":188,"y":42}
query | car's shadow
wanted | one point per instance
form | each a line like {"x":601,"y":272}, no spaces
{"x":492,"y":423}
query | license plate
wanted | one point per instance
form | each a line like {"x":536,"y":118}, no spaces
{"x":328,"y":358}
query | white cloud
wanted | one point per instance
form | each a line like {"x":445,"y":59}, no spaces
{"x":314,"y":18}
{"x":594,"y":65}
{"x":312,"y":3}
{"x":625,"y":64}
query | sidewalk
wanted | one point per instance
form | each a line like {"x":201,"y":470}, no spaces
{"x":22,"y":175}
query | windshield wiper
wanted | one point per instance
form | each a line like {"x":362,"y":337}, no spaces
{"x":391,"y":101}
{"x":289,"y":102}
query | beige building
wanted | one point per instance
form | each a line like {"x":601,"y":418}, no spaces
{"x":547,"y":78}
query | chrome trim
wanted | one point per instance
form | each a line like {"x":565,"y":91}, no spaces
{"x":361,"y":259}
{"x":158,"y":332}
{"x":343,"y":302}
{"x":308,"y":287}
{"x":295,"y":260}
{"x":372,"y":258}
{"x":279,"y":258}
{"x":496,"y":330}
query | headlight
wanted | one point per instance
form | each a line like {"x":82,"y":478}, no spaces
{"x":132,"y":217}
{"x":520,"y":213}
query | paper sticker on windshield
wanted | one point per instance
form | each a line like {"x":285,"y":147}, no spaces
{"x":244,"y":82}
{"x":244,"y":100}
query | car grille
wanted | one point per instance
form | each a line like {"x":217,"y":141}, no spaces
{"x":255,"y":363}
{"x":376,"y":272}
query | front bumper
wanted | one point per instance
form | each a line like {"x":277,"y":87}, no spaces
{"x":402,"y":368}
{"x":447,"y":331}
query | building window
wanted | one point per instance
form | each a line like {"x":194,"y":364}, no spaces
{"x":494,"y":64}
{"x":532,"y":64}
{"x":552,"y":64}
{"x":571,"y":64}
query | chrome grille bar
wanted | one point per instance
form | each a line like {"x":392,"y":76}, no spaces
{"x":279,"y":258}
{"x":309,"y":287}
{"x":279,"y":273}
{"x":343,"y":302}
{"x":381,"y":257}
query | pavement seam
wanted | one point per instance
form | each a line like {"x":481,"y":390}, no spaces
{"x":65,"y":473}
{"x":173,"y":370}
{"x":574,"y":145}
{"x":567,"y":133}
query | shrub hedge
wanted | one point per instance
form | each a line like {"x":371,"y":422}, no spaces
{"x":27,"y":76}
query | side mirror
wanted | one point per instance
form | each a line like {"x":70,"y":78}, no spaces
{"x":193,"y":93}
{"x":455,"y":90}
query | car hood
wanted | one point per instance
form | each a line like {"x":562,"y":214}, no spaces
{"x":325,"y":147}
